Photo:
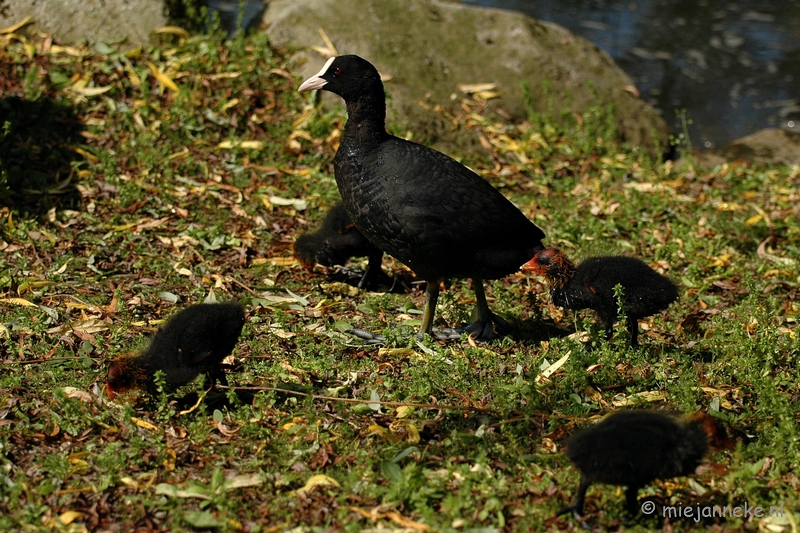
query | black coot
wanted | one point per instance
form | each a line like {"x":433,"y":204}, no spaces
{"x":419,"y":205}
{"x":336,"y":241}
{"x":632,"y":448}
{"x":591,"y":286}
{"x":193,"y":342}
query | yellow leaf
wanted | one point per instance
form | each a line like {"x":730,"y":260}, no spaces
{"x":244,"y":480}
{"x":728,"y":206}
{"x":17,"y":301}
{"x":181,"y":270}
{"x":376,"y":429}
{"x":550,"y":370}
{"x":753,"y":220}
{"x":476,"y":87}
{"x":134,"y":52}
{"x":162,"y":78}
{"x":143,"y":424}
{"x":403,"y":411}
{"x":338,"y":287}
{"x":307,"y":112}
{"x":124,"y":227}
{"x":69,"y":517}
{"x":89,"y":156}
{"x":30,"y":49}
{"x":328,"y":42}
{"x":129,"y":482}
{"x":396,"y":352}
{"x":252,"y":145}
{"x":90,"y":326}
{"x":136,"y":81}
{"x":181,"y":154}
{"x":91,"y":91}
{"x":721,"y":260}
{"x":229,"y":104}
{"x":72,"y":392}
{"x":249,"y":145}
{"x":224,"y":75}
{"x":646,"y":396}
{"x":173,"y":30}
{"x":319,"y":480}
{"x":69,"y":50}
{"x":283,"y":261}
{"x":11,"y":29}
{"x":397,"y":518}
{"x":412,"y":432}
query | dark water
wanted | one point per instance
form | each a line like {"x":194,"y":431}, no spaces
{"x":734,"y":66}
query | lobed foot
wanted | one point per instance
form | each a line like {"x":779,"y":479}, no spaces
{"x":487,"y":329}
{"x":369,"y":337}
{"x":576,"y":515}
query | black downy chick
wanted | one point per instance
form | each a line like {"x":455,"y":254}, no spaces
{"x":632,"y":448}
{"x":336,"y":241}
{"x":591,"y":286}
{"x":193,"y":342}
{"x":417,"y":204}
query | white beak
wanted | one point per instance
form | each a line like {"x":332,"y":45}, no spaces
{"x":316,"y":81}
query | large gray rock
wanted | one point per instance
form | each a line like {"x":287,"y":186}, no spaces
{"x":770,"y":146}
{"x":428,"y":47}
{"x":71,"y":21}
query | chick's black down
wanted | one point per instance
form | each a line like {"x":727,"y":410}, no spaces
{"x":193,"y":342}
{"x":335,"y":242}
{"x":645,"y":291}
{"x":633,"y":448}
{"x":591,"y":285}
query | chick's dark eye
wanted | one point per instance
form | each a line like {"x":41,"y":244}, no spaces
{"x":337,"y":71}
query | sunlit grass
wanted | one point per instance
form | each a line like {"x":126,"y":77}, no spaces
{"x":164,"y":207}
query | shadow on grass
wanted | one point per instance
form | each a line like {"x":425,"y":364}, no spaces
{"x":36,"y":153}
{"x":533,"y":331}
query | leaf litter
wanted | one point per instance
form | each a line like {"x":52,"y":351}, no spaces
{"x":199,"y":164}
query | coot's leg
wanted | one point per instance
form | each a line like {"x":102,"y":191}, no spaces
{"x":217,"y":375}
{"x":632,"y":500}
{"x":633,"y":329}
{"x":484,"y":326}
{"x":577,"y":506}
{"x":431,"y":297}
{"x":373,"y":269}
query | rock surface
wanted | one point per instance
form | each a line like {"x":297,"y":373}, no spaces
{"x":773,"y":146}
{"x":108,"y":21}
{"x":429,"y":47}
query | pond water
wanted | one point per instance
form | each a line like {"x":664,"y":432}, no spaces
{"x":734,"y":66}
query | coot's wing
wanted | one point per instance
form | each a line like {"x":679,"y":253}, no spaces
{"x":434,"y":214}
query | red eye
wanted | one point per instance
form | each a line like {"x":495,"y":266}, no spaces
{"x":337,"y":71}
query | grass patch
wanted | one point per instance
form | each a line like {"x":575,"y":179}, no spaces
{"x":124,"y":199}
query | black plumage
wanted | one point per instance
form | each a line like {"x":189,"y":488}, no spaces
{"x":193,"y":342}
{"x":419,"y":205}
{"x":591,"y":286}
{"x":336,"y":241}
{"x":633,"y":448}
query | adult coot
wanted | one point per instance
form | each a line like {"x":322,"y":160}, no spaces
{"x":336,"y":241}
{"x":419,"y":205}
{"x":193,"y":342}
{"x":591,"y":284}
